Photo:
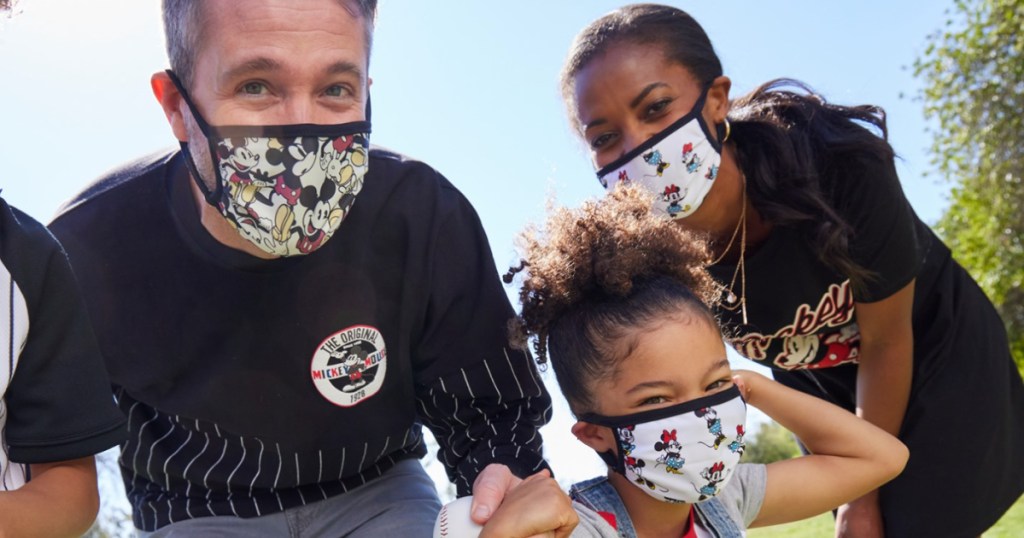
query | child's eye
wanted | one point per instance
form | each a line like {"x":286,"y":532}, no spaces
{"x":718,"y":384}
{"x":654,"y":400}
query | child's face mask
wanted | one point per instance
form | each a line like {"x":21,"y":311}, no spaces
{"x":684,"y":453}
{"x":285,"y":188}
{"x":679,"y":165}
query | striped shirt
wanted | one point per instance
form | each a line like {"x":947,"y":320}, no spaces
{"x":252,"y":386}
{"x":58,"y":406}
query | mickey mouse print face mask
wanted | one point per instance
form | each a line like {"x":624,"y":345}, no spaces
{"x":284,"y":188}
{"x":678,"y":165}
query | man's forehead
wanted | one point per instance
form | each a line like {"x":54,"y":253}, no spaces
{"x":273,"y":34}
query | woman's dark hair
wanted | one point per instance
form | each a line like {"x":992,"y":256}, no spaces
{"x":681,"y":39}
{"x":596,"y":274}
{"x":788,"y":140}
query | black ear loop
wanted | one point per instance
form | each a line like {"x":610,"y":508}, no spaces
{"x":212,"y":197}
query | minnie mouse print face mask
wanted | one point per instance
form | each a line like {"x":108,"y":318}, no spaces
{"x":683,"y":453}
{"x":678,"y":165}
{"x":284,"y":188}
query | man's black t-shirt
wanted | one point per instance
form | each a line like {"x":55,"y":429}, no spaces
{"x":254,"y":385}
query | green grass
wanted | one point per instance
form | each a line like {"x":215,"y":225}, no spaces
{"x":1010,"y":526}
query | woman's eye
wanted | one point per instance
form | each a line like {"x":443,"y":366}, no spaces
{"x":253,"y":88}
{"x":657,"y":107}
{"x":600,"y":141}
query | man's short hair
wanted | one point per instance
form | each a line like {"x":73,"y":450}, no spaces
{"x":183,"y":28}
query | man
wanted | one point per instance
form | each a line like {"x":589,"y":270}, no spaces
{"x":281,"y":307}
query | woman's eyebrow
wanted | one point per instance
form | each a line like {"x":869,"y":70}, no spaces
{"x":644,"y":92}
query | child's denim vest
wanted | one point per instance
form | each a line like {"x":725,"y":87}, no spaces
{"x":599,"y":495}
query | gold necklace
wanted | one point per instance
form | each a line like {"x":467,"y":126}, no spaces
{"x":731,"y":301}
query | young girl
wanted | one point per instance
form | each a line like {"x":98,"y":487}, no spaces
{"x":619,"y":297}
{"x":828,"y":276}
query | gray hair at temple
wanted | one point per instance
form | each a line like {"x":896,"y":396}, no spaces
{"x":183,"y":29}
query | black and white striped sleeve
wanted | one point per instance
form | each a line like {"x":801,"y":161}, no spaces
{"x":483,"y":401}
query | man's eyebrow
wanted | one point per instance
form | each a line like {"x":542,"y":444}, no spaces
{"x":344,"y":68}
{"x":255,"y":65}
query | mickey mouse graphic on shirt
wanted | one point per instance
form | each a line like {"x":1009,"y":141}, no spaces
{"x":349,"y":366}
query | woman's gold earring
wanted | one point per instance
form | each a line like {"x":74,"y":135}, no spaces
{"x":728,"y":130}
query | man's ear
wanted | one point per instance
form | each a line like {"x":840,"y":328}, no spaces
{"x":170,"y":100}
{"x":717,"y":104}
{"x":599,"y":438}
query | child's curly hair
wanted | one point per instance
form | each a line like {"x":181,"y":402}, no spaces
{"x":596,"y":273}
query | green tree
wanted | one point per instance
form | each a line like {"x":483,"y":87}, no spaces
{"x":771,"y":443}
{"x":973,"y":71}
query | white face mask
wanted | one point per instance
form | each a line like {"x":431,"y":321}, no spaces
{"x":679,"y":165}
{"x":684,"y":453}
{"x":285,"y":188}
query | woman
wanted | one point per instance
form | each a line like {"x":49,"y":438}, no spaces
{"x":827,"y":275}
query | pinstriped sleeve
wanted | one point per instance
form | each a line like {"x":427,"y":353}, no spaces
{"x":483,"y":401}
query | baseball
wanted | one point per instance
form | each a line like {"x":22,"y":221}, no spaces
{"x":454,"y":520}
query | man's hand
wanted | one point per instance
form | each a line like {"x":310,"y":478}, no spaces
{"x":489,"y":490}
{"x":536,"y":507}
{"x":861,"y":518}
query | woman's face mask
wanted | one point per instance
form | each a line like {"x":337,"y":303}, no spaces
{"x":678,"y":165}
{"x":284,"y":188}
{"x":683,"y":453}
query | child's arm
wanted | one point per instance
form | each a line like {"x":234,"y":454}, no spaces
{"x":60,"y":500}
{"x":849,"y":456}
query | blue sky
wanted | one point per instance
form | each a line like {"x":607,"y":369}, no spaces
{"x":469,"y":87}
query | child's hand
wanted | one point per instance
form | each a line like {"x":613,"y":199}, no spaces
{"x":537,"y":506}
{"x":746,"y":380}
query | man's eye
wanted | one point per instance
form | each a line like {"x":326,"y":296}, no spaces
{"x":336,"y":91}
{"x":253,"y":88}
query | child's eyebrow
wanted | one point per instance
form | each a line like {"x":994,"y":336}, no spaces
{"x":724,"y":363}
{"x":648,"y":385}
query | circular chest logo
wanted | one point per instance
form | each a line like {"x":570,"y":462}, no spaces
{"x":348,"y":367}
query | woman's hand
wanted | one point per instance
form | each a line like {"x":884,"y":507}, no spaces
{"x":861,"y":518}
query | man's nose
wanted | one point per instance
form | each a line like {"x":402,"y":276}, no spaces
{"x":299,"y":110}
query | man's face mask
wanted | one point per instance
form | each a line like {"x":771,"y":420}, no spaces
{"x":679,"y":165}
{"x":285,"y":188}
{"x":684,"y":453}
